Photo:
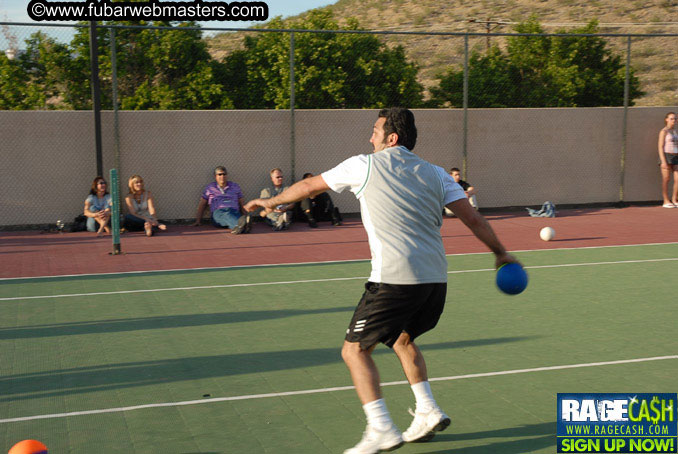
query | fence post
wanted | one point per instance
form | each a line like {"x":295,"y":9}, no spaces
{"x":114,"y":84}
{"x":115,"y":212}
{"x":465,"y":107}
{"x":292,"y":122}
{"x":96,"y":93}
{"x":625,"y":120}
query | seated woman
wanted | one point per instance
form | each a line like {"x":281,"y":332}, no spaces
{"x":141,"y":208}
{"x":98,"y":207}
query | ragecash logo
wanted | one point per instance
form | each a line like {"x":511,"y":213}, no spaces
{"x":615,"y":422}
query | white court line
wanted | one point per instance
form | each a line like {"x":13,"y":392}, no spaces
{"x":255,"y":284}
{"x":174,"y":289}
{"x":324,"y":390}
{"x":328,"y":262}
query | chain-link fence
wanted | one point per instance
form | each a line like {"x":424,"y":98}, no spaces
{"x":527,"y":118}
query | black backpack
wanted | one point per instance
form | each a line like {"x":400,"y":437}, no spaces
{"x":79,"y":223}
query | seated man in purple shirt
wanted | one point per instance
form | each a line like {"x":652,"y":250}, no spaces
{"x":225,"y":200}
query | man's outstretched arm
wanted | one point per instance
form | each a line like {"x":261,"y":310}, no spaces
{"x":309,"y":187}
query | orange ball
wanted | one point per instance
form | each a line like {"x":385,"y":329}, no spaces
{"x":28,"y":447}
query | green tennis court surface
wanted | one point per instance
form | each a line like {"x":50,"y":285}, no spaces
{"x":200,"y":337}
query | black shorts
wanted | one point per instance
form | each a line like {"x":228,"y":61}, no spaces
{"x":671,"y":159}
{"x":386,"y":310}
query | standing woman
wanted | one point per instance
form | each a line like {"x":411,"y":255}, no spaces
{"x":141,"y":208}
{"x":98,"y":207}
{"x":668,"y":159}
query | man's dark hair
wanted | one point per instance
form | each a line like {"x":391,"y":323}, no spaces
{"x":400,"y":121}
{"x":455,"y":169}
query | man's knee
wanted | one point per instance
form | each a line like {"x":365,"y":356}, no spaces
{"x":349,"y":350}
{"x":353,"y":350}
{"x":403,"y":341}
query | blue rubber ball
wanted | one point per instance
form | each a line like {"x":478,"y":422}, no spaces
{"x":511,"y":278}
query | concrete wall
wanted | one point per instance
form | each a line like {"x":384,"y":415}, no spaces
{"x":642,"y":180}
{"x":516,"y":157}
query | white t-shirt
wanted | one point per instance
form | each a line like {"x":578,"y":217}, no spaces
{"x":401,"y":202}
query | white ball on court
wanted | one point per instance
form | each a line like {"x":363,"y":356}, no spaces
{"x":547,"y":234}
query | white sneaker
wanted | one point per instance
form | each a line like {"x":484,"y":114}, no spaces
{"x":375,"y":441}
{"x":425,"y":425}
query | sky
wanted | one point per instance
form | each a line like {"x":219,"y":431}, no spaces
{"x":15,"y":11}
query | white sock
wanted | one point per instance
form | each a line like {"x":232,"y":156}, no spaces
{"x":378,"y":415}
{"x":424,"y":396}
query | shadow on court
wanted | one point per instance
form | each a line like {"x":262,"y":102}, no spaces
{"x":161,"y":322}
{"x":124,"y":375}
{"x":545,"y":434}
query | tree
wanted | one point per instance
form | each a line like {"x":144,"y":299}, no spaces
{"x":542,"y":71}
{"x":32,"y":80}
{"x":15,"y":93}
{"x":332,"y":70}
{"x":47,"y":62}
{"x":486,"y":72}
{"x":156,"y":69}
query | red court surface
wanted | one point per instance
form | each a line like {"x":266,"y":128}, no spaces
{"x":29,"y":254}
